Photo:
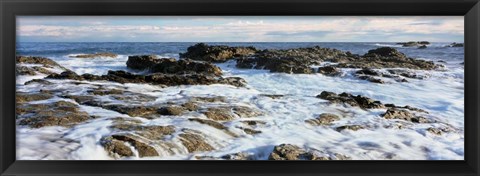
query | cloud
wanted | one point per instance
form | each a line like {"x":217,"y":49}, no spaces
{"x":239,"y":29}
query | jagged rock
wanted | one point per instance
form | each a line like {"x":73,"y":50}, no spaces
{"x":59,"y":113}
{"x":22,"y":70}
{"x":394,"y":113}
{"x":116,"y":147}
{"x":323,"y":119}
{"x":66,"y":75}
{"x":220,"y":53}
{"x":142,"y":62}
{"x":360,"y":101}
{"x":111,"y":55}
{"x":329,"y":70}
{"x":194,"y":141}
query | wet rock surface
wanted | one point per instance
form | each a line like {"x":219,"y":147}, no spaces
{"x":346,"y":98}
{"x":402,"y":114}
{"x":194,"y":141}
{"x":414,"y":43}
{"x":38,"y":60}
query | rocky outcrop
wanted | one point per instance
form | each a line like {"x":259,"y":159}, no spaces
{"x":95,"y":55}
{"x":38,"y":60}
{"x":217,"y":53}
{"x":227,"y":113}
{"x":194,"y":141}
{"x":117,"y":144}
{"x":27,"y":97}
{"x":292,"y":152}
{"x":387,"y":57}
{"x":155,"y":78}
{"x":172,"y":66}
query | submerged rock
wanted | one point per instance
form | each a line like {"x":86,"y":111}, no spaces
{"x":218,"y":53}
{"x":329,"y":71}
{"x":349,"y":127}
{"x":27,"y":97}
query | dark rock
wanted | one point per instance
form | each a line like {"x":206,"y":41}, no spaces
{"x":360,"y":101}
{"x":371,"y":79}
{"x":220,"y":53}
{"x":66,"y":75}
{"x":272,"y":96}
{"x":367,"y":71}
{"x":323,"y":119}
{"x":254,"y":122}
{"x":454,"y":44}
{"x":239,"y":156}
{"x":329,"y":70}
{"x":38,"y":60}
{"x":112,"y":55}
{"x":250,"y":131}
{"x":22,"y":70}
{"x":142,"y":62}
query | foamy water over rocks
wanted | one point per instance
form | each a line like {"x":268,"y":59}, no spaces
{"x":239,"y":101}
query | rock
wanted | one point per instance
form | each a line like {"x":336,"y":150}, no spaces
{"x":246,"y":112}
{"x":323,"y":119}
{"x":208,"y":99}
{"x":329,"y":71}
{"x":454,"y":44}
{"x":394,"y":113}
{"x":38,"y":60}
{"x":367,"y":71}
{"x":144,"y":150}
{"x":103,"y":92}
{"x":155,"y":78}
{"x":38,"y":81}
{"x":172,"y":66}
{"x":250,"y":131}
{"x":349,"y":127}
{"x":414,"y":43}
{"x":27,"y":97}
{"x":172,"y":110}
{"x":253,"y":122}
{"x":22,"y":70}
{"x":116,"y":147}
{"x":220,"y":53}
{"x":422,"y":47}
{"x":292,"y":152}
{"x":435,"y":131}
{"x":134,"y":111}
{"x":142,"y":62}
{"x":239,"y":156}
{"x":194,"y":141}
{"x":111,"y":55}
{"x":209,"y":123}
{"x":272,"y":96}
{"x":219,"y":113}
{"x":191,"y":106}
{"x":371,"y":79}
{"x":360,"y":101}
{"x":59,"y":113}
{"x":387,"y":57}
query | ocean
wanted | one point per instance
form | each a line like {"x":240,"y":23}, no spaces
{"x":441,"y":93}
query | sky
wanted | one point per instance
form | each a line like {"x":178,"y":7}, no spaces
{"x":239,"y":28}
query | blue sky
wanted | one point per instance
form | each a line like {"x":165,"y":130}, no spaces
{"x":239,"y":29}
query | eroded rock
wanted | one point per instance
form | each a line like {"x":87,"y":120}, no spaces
{"x":323,"y":119}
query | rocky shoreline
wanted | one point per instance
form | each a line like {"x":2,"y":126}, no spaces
{"x":197,"y":66}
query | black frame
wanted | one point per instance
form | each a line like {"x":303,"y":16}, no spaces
{"x":11,"y":8}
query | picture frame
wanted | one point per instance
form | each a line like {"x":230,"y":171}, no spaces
{"x":12,"y":8}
